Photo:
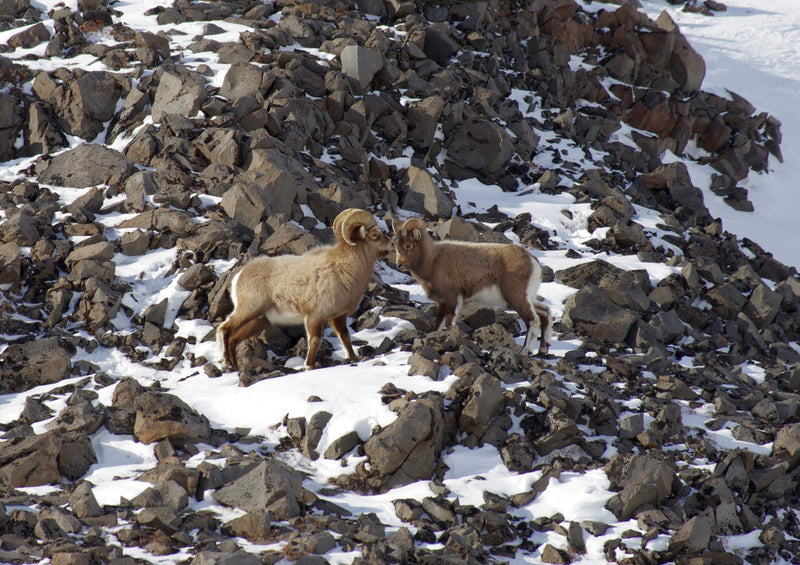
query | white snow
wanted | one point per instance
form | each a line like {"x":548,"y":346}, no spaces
{"x":752,"y":49}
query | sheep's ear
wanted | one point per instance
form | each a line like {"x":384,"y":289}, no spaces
{"x":417,"y":235}
{"x":357,"y":233}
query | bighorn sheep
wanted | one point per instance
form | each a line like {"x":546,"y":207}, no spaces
{"x":458,"y":273}
{"x":325,"y":284}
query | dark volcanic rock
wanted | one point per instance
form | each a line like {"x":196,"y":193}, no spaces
{"x":87,"y":165}
{"x":24,"y":366}
{"x":593,"y":315}
{"x":164,"y":416}
{"x":270,"y":486}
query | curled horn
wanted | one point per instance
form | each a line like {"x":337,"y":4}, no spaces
{"x":342,"y":223}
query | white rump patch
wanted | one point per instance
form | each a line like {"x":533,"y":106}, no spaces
{"x":285,"y":318}
{"x":234,"y":283}
{"x":533,"y":283}
{"x":489,"y":296}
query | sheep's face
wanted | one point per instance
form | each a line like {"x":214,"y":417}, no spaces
{"x":407,"y":239}
{"x":372,"y":236}
{"x":379,"y":240}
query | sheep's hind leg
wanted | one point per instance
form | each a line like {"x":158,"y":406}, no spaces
{"x":314,"y":336}
{"x":545,"y":321}
{"x":445,"y":314}
{"x":340,"y":326}
{"x":247,"y":329}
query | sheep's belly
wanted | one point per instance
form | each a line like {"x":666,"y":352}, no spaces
{"x":285,"y":318}
{"x":489,"y":296}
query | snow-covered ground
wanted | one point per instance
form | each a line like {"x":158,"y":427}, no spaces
{"x":753,"y":49}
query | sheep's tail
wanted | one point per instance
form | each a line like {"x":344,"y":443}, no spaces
{"x":222,"y":338}
{"x":224,"y":328}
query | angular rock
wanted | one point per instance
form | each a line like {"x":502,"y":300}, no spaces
{"x":253,"y":526}
{"x":406,"y":450}
{"x":485,"y":401}
{"x":361,"y":64}
{"x":76,"y":455}
{"x":693,"y":536}
{"x":87,"y":165}
{"x":592,"y":314}
{"x":478,"y":148}
{"x":178,"y":94}
{"x":30,"y":461}
{"x":43,"y":361}
{"x":165,"y":416}
{"x":83,"y":502}
{"x":270,"y":486}
{"x":424,"y":196}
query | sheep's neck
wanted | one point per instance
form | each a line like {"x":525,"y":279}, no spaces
{"x":356,"y":265}
{"x":424,"y":267}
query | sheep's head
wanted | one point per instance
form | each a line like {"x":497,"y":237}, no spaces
{"x":354,"y":225}
{"x":407,"y":241}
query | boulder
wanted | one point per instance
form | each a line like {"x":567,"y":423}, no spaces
{"x":87,"y":165}
{"x":178,"y":94}
{"x":31,"y":37}
{"x":424,"y":196}
{"x":30,"y":461}
{"x":165,"y":416}
{"x":590,"y":313}
{"x":44,"y":361}
{"x":478,"y":148}
{"x":361,"y":64}
{"x":406,"y":450}
{"x":270,"y":486}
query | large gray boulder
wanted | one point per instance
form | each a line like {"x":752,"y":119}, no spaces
{"x":30,"y":461}
{"x":244,"y":80}
{"x":361,"y":64}
{"x":479,"y":148}
{"x":407,"y":449}
{"x":43,"y":361}
{"x":270,"y":486}
{"x":424,"y":195}
{"x":87,"y":165}
{"x":178,"y":94}
{"x":591,"y":314}
{"x":164,"y":416}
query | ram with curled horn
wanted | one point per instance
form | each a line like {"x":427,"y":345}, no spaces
{"x":325,"y":284}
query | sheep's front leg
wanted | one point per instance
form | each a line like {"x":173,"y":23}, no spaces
{"x":314,"y":336}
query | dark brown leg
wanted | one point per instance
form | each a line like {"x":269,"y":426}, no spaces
{"x":248,"y":329}
{"x":340,"y":326}
{"x":314,"y":334}
{"x":444,"y":316}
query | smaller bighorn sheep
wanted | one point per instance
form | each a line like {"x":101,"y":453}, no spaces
{"x":458,"y":273}
{"x":325,"y":284}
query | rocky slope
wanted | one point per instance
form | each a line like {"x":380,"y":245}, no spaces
{"x":221,"y":146}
